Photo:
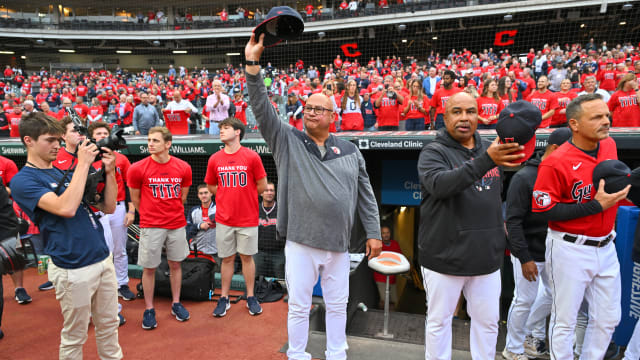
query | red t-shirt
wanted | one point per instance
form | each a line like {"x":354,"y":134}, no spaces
{"x":439,"y":99}
{"x":7,"y":169}
{"x":607,"y":80}
{"x":176,"y":121}
{"x":488,"y":107}
{"x":566,"y":176}
{"x":563,"y":99}
{"x":81,"y":91}
{"x":81,"y":109}
{"x":241,"y":115}
{"x":161,"y":187}
{"x":237,"y":195}
{"x":624,"y":108}
{"x":414,"y":112}
{"x":14,"y":121}
{"x":545,"y":102}
{"x":389,"y":110}
{"x":95,"y":111}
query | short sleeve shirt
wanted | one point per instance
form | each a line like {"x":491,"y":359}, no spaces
{"x":160,"y":191}
{"x":72,"y":242}
{"x":237,"y":195}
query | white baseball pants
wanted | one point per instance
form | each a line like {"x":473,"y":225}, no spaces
{"x":483,"y":305}
{"x":108,"y":236}
{"x":580,"y":272}
{"x":303,"y":266}
{"x":524,"y":296}
{"x":541,"y":308}
{"x":119,"y":232}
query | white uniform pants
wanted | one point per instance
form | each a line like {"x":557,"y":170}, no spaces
{"x":524,"y":296}
{"x":580,"y":272}
{"x":108,"y":236}
{"x":483,"y":305}
{"x":119,"y":233}
{"x":541,"y":308}
{"x":303,"y":266}
{"x":633,"y":348}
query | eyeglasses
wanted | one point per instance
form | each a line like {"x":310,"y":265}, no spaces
{"x":318,"y":110}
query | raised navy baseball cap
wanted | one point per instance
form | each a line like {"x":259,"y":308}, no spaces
{"x":517,"y":123}
{"x":615,"y":173}
{"x":281,"y":23}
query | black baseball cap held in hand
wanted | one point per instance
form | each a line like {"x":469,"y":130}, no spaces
{"x":634,"y":192}
{"x":282,"y":23}
{"x":615,"y":173}
{"x":517,"y":123}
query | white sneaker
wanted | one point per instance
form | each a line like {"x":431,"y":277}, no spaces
{"x":513,"y":356}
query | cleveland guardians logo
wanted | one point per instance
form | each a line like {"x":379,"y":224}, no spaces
{"x":542,"y":199}
{"x":579,"y":192}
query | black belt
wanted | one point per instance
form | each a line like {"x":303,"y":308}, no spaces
{"x":588,"y":242}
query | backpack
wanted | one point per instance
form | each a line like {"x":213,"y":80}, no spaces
{"x":267,"y":291}
{"x":197,"y":277}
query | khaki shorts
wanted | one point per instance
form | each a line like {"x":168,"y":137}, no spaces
{"x":152,"y":240}
{"x":232,"y":240}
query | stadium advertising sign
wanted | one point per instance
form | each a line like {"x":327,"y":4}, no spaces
{"x":400,"y":184}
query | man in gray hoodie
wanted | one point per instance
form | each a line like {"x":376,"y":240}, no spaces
{"x":323,"y":182}
{"x":461,"y":236}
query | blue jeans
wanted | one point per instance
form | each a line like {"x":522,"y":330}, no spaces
{"x":213,"y":128}
{"x":414,"y":124}
{"x":439,"y":121}
{"x":485,"y":127}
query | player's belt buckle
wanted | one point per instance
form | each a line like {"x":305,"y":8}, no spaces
{"x":588,"y":242}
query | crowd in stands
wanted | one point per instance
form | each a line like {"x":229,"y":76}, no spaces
{"x":227,"y":17}
{"x":377,"y":94}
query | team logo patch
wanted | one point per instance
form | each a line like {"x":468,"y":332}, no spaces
{"x":335,"y":150}
{"x":541,"y":198}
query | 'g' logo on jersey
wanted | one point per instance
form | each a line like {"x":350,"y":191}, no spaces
{"x":541,"y":198}
{"x":579,"y":192}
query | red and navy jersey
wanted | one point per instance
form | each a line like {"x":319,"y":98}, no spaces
{"x":161,"y":187}
{"x":566,"y":176}
{"x":237,"y":195}
{"x":439,"y":99}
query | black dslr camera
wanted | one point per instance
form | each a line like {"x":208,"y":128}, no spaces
{"x":390,"y":94}
{"x":114,"y":142}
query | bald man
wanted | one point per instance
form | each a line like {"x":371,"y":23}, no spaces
{"x":323,"y":183}
{"x":461,"y":236}
{"x":218,"y":107}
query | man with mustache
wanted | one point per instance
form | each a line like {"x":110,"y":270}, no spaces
{"x":580,"y":255}
{"x":461,"y":236}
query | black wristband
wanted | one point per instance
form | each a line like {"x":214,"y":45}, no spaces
{"x":252,"y":62}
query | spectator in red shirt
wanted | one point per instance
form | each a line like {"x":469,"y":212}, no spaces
{"x":439,"y":99}
{"x":388,"y":244}
{"x":489,"y":105}
{"x":13,"y":118}
{"x":607,"y":78}
{"x":544,"y":100}
{"x":388,"y":102}
{"x":81,"y":108}
{"x":416,"y":108}
{"x":241,"y":107}
{"x":44,"y":107}
{"x":624,"y":103}
{"x":309,"y":10}
{"x":224,"y":15}
{"x":95,"y":112}
{"x":563,"y":97}
{"x":8,"y":73}
{"x":337,"y":62}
